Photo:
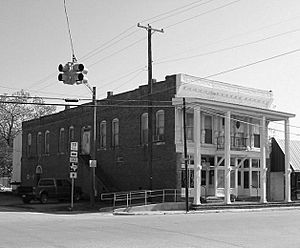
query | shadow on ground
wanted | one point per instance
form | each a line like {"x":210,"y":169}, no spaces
{"x":11,"y":202}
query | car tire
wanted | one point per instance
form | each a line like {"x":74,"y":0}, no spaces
{"x":44,"y":198}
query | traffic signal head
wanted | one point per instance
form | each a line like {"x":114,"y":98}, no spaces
{"x":78,"y":73}
{"x":65,"y":76}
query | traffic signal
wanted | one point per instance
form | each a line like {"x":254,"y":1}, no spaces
{"x":65,"y":75}
{"x":78,"y":72}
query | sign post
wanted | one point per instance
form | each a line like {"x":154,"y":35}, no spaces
{"x":73,"y":168}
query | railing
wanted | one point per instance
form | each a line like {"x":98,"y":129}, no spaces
{"x":144,"y":196}
{"x":236,"y":143}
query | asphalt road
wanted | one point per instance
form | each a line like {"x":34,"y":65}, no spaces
{"x":267,"y":228}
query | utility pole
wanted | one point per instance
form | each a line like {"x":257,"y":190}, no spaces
{"x":185,"y":158}
{"x":150,"y":111}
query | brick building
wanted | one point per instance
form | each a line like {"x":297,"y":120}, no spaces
{"x":226,"y":139}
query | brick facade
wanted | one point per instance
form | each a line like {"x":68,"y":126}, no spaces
{"x":120,"y":168}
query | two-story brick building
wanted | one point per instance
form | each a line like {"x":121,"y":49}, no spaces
{"x":226,"y":131}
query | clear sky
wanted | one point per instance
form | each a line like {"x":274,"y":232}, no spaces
{"x":200,"y":38}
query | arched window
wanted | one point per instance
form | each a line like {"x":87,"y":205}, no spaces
{"x":144,"y":128}
{"x":115,"y":133}
{"x":29,"y":145}
{"x":61,"y":142}
{"x":86,"y":140}
{"x":71,"y":134}
{"x":160,"y":125}
{"x":47,"y":142}
{"x":39,"y":144}
{"x":102,"y":133}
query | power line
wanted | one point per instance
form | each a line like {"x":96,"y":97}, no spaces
{"x":40,"y":97}
{"x":234,"y":36}
{"x":204,"y":13}
{"x":230,"y":48}
{"x":254,"y":63}
{"x":182,"y":10}
{"x":121,"y":50}
{"x":69,"y":31}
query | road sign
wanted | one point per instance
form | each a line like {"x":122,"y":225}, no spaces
{"x":73,"y":167}
{"x":93,"y":163}
{"x":74,"y":154}
{"x":74,"y":146}
{"x":73,"y":160}
{"x":73,"y":174}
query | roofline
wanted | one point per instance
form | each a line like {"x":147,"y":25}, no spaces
{"x":223,"y":106}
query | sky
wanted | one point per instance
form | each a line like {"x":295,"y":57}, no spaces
{"x":208,"y":38}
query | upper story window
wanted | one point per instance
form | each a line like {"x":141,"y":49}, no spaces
{"x":102,"y":134}
{"x":71,"y":134}
{"x":61,"y":142}
{"x":39,"y":144}
{"x":29,"y":145}
{"x":256,"y":136}
{"x":190,"y":126}
{"x":160,"y":125}
{"x":115,"y":133}
{"x":47,"y":142}
{"x":144,"y":128}
{"x":208,"y":129}
{"x":86,"y":140}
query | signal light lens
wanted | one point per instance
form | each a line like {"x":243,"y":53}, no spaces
{"x":61,"y":68}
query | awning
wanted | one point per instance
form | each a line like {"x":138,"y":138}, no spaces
{"x":294,"y":152}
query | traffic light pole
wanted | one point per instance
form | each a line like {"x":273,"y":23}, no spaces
{"x":93,"y":152}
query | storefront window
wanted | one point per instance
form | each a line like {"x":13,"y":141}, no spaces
{"x":246,"y":179}
{"x":221,"y":176}
{"x":255,"y":179}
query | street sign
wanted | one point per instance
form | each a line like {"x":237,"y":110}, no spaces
{"x":73,"y":160}
{"x":93,"y":163}
{"x":73,"y":167}
{"x":74,"y":154}
{"x":74,"y":146}
{"x":73,"y":174}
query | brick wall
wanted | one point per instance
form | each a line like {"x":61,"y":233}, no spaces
{"x":124,"y":167}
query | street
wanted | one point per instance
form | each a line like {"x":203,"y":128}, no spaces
{"x":267,"y":228}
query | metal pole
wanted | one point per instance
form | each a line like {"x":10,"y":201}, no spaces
{"x":72,"y":194}
{"x":93,"y":152}
{"x":185,"y":159}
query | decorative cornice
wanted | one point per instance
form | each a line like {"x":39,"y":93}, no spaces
{"x":189,"y":86}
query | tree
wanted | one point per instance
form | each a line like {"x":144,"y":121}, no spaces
{"x":13,"y":111}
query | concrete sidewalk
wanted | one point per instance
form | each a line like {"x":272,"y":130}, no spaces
{"x":179,"y":208}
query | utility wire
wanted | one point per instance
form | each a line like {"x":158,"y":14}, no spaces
{"x":69,"y":30}
{"x":138,"y":106}
{"x":204,"y":13}
{"x":254,"y":63}
{"x":182,"y":10}
{"x":228,"y":48}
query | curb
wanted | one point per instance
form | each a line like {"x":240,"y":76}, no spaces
{"x":206,"y":211}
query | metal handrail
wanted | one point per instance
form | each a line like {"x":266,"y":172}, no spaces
{"x":144,"y":195}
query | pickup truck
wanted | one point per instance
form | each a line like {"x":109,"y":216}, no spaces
{"x":49,"y":188}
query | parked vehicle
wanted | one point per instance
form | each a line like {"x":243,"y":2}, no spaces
{"x":49,"y":188}
{"x":5,"y":189}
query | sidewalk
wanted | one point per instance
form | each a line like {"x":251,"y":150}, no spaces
{"x":162,"y":208}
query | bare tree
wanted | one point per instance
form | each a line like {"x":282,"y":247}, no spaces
{"x":14,"y":110}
